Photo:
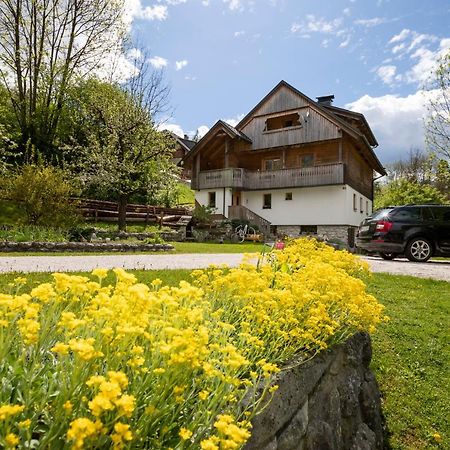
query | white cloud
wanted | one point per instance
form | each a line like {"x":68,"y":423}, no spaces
{"x":345,"y":42}
{"x":135,"y":10}
{"x":325,"y":43}
{"x":387,"y":73}
{"x":202,"y":130}
{"x":174,"y":2}
{"x":346,"y":11}
{"x":158,"y":62}
{"x":422,"y":53}
{"x":401,"y":36}
{"x":180,"y":64}
{"x":235,"y":120}
{"x":397,"y":122}
{"x":319,"y":25}
{"x":173,"y":127}
{"x":134,"y":53}
{"x":234,"y":5}
{"x":372,"y":22}
{"x":398,"y":48}
{"x":239,"y":33}
{"x":190,"y":78}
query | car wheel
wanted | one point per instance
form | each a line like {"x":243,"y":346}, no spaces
{"x":388,"y":256}
{"x":419,"y":250}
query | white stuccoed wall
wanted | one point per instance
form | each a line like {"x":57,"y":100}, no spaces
{"x":202,"y":197}
{"x":322,"y":205}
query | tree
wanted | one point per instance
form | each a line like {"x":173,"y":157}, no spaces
{"x":121,"y":152}
{"x":438,"y":122}
{"x":403,"y":192}
{"x":43,"y":45}
{"x":418,"y":167}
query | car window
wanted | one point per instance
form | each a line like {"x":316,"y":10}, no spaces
{"x":407,"y":215}
{"x":442,"y":214}
{"x":381,"y":214}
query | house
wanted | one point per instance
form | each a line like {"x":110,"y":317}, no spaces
{"x":183,"y":145}
{"x":292,"y":165}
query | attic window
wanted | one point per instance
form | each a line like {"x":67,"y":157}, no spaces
{"x":284,"y":121}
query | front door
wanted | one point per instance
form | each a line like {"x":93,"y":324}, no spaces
{"x":236,"y":198}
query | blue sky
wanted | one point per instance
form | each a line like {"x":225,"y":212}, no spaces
{"x":220,"y":57}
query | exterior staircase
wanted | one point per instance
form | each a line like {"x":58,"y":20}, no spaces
{"x":243,"y":213}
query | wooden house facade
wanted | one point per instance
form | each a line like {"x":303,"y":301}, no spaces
{"x":291,"y":164}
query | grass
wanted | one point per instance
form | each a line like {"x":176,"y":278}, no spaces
{"x":180,"y":248}
{"x":411,"y":359}
{"x":411,"y":353}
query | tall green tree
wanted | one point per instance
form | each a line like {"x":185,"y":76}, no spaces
{"x":43,"y":46}
{"x":119,"y":149}
{"x":438,"y":122}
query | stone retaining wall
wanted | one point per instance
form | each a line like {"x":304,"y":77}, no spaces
{"x":329,"y":403}
{"x":81,"y":247}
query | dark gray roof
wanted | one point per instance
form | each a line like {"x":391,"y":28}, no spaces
{"x":187,"y":142}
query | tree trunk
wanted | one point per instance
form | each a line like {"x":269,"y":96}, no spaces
{"x":123,"y":201}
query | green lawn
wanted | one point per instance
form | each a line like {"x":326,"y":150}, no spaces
{"x":411,"y":353}
{"x":411,"y":359}
{"x":180,"y":247}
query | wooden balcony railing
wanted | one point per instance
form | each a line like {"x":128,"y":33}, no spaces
{"x":270,"y":179}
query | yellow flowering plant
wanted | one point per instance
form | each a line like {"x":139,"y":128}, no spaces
{"x":135,"y":366}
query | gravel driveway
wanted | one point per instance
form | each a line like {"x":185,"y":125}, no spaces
{"x":439,"y":270}
{"x":90,"y":262}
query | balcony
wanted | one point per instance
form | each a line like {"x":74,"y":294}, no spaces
{"x":247,"y":180}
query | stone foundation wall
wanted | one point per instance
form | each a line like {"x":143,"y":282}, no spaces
{"x":81,"y":247}
{"x":329,"y":403}
{"x":289,"y":230}
{"x":331,"y":232}
{"x":337,"y":232}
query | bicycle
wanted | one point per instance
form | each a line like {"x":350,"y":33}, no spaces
{"x":241,"y":232}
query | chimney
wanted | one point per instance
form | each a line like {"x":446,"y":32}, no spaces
{"x":326,"y":100}
{"x":186,"y":137}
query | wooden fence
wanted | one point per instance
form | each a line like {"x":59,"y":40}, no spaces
{"x":105,"y":211}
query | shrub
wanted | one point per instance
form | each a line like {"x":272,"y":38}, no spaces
{"x":30,"y":233}
{"x":43,"y":193}
{"x":94,"y":366}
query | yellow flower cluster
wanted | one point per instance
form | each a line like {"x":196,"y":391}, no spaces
{"x":134,"y":366}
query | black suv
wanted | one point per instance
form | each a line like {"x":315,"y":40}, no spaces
{"x":416,"y":231}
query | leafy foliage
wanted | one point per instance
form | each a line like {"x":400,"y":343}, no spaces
{"x":43,"y":194}
{"x":403,"y":192}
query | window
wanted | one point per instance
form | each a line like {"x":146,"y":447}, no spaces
{"x":441,"y":213}
{"x":212,"y":199}
{"x":307,"y":160}
{"x":308,"y":229}
{"x":361,"y":205}
{"x":288,"y":196}
{"x":367,"y":207}
{"x":272,"y":164}
{"x":355,"y":208}
{"x":408,"y":215}
{"x":267,"y":201}
{"x":284,"y":121}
